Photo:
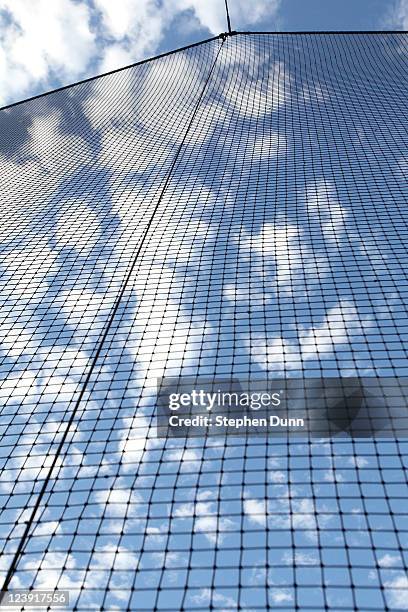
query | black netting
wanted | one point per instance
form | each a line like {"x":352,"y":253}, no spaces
{"x":233,"y":209}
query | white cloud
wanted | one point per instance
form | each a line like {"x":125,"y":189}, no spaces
{"x":126,"y":112}
{"x":189,"y":459}
{"x":123,"y":16}
{"x":117,"y":15}
{"x":297,"y":557}
{"x":357,"y":461}
{"x":300,"y":261}
{"x":77,"y":227}
{"x":118,"y":502}
{"x":47,"y":571}
{"x":42,"y":41}
{"x":340,"y":323}
{"x":37,"y":39}
{"x":304,"y":514}
{"x":256,"y":96}
{"x":115,"y":56}
{"x":206,"y":519}
{"x":205,"y":596}
{"x":388,"y":560}
{"x":281,"y":596}
{"x":224,"y":600}
{"x":397,"y":17}
{"x":37,"y":173}
{"x":133,"y":27}
{"x":323,"y":205}
{"x":396,"y":592}
{"x":256,"y":511}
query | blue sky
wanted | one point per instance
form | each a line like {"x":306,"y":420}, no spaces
{"x":91,"y":159}
{"x":45,"y":45}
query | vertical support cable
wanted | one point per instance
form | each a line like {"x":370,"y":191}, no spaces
{"x":228,"y":17}
{"x":31,"y":520}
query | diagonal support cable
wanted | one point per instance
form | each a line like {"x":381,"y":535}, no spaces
{"x":31,"y":520}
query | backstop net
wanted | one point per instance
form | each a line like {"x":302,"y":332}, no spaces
{"x":234,"y":210}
